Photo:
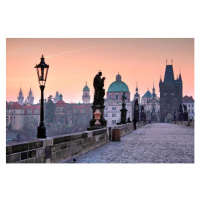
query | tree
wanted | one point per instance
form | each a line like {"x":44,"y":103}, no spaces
{"x":49,"y":111}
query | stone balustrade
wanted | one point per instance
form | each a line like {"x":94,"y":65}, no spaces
{"x":58,"y":148}
{"x":184,"y":123}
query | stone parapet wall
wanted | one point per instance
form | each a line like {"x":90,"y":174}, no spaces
{"x":126,"y":128}
{"x":64,"y":147}
{"x":57,"y":148}
{"x":184,"y":123}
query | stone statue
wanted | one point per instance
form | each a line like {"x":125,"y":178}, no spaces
{"x":99,"y":92}
{"x":185,"y":114}
{"x":136,"y":110}
{"x":185,"y":108}
{"x":180,"y":113}
{"x":123,"y":101}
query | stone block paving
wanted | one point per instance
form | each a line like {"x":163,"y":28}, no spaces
{"x":153,"y":143}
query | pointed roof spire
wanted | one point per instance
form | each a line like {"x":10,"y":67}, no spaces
{"x":136,"y":87}
{"x":166,"y":61}
{"x":180,"y":78}
{"x":172,"y":61}
{"x":160,"y":79}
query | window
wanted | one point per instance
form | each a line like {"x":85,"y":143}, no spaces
{"x":36,"y":111}
{"x":192,"y":105}
{"x":29,"y":111}
{"x":106,"y":115}
{"x":188,"y":105}
{"x":113,"y":115}
{"x":109,"y":96}
{"x":86,"y":94}
{"x":116,"y":97}
{"x":113,"y":108}
{"x":113,"y":121}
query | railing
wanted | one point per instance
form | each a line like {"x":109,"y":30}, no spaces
{"x":58,"y":148}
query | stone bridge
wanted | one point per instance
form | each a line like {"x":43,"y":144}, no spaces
{"x":152,"y":143}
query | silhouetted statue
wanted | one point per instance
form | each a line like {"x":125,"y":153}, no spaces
{"x":99,"y":92}
{"x":143,"y":115}
{"x":123,"y":110}
{"x":136,"y":110}
{"x":123,"y":101}
{"x":180,"y":113}
{"x":128,"y":120}
{"x":185,"y":108}
{"x":98,"y":103}
{"x":134,"y":123}
{"x":174,"y":115}
{"x":185,"y":114}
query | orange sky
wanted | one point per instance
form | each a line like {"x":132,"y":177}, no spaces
{"x":74,"y":61}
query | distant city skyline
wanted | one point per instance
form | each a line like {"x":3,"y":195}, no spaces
{"x":73,"y":62}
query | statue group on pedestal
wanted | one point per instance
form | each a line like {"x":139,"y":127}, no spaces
{"x":98,"y":103}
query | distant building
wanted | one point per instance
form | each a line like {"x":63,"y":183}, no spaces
{"x":20,"y":98}
{"x":146,"y":97}
{"x":30,"y":98}
{"x":14,"y":115}
{"x":86,"y":95}
{"x":151,"y":106}
{"x":113,"y":102}
{"x":56,"y":98}
{"x":136,"y":95}
{"x":170,"y":95}
{"x":189,"y":102}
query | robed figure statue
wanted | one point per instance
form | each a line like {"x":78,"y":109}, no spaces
{"x":99,"y":92}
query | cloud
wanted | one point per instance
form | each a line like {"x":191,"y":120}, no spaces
{"x":69,"y":52}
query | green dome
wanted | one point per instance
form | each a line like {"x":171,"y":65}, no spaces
{"x":118,"y":86}
{"x":147,"y":95}
{"x":86,"y":88}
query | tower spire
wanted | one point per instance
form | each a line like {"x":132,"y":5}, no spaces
{"x":172,"y":61}
{"x":166,"y":61}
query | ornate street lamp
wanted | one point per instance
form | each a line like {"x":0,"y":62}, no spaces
{"x":42,"y":71}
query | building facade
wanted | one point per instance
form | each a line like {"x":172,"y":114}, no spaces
{"x":189,"y":102}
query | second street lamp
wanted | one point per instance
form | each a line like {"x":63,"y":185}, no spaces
{"x":42,"y":71}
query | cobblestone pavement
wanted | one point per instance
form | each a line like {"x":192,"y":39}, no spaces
{"x":153,"y":143}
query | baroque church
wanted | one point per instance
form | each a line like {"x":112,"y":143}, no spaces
{"x":113,"y":101}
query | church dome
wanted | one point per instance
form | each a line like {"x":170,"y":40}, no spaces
{"x":86,"y":88}
{"x":147,"y":95}
{"x":118,"y":85}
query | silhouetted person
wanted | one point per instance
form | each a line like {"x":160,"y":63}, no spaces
{"x":134,"y":123}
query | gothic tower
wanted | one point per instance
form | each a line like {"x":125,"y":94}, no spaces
{"x":20,"y":98}
{"x":30,"y":98}
{"x":136,"y":95}
{"x":86,"y":94}
{"x":170,"y":94}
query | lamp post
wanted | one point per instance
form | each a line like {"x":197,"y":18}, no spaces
{"x":42,"y":71}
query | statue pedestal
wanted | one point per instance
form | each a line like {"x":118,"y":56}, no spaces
{"x":103,"y":122}
{"x":123,"y":116}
